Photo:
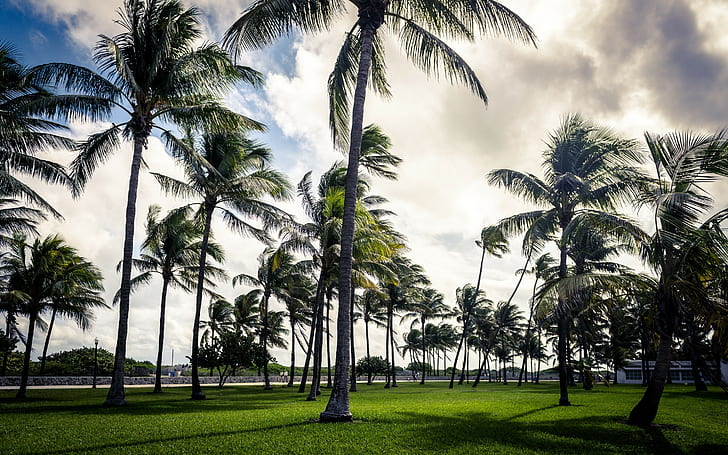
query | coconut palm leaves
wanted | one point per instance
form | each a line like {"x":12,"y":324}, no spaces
{"x":588,"y":172}
{"x":25,"y":131}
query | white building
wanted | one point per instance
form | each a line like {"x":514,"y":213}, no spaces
{"x":680,"y":371}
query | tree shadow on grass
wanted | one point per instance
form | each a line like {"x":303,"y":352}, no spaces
{"x":130,"y":446}
{"x":595,"y":435}
{"x":141,"y":402}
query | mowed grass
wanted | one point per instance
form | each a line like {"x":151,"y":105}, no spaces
{"x":410,"y":419}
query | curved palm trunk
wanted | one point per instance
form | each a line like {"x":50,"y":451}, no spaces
{"x":645,"y":411}
{"x":26,"y":358}
{"x":337,"y":408}
{"x":47,"y":342}
{"x":195,"y":357}
{"x":115,"y":396}
{"x":160,"y":348}
{"x":462,"y":368}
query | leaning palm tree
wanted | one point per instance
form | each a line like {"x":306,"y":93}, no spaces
{"x":417,"y":24}
{"x":229,"y":173}
{"x":688,"y":248}
{"x":155,"y":76}
{"x":589,"y":172}
{"x":45,"y":273}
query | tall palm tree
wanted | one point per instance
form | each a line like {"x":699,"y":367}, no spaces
{"x":508,"y":321}
{"x":171,"y":250}
{"x":26,"y":106}
{"x":229,"y":173}
{"x":417,"y":24}
{"x":589,"y":172}
{"x":45,"y":273}
{"x":155,"y":75}
{"x":688,"y":247}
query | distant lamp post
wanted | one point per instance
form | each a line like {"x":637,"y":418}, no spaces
{"x":96,"y":361}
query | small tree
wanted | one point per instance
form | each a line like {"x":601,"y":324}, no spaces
{"x":372,"y":365}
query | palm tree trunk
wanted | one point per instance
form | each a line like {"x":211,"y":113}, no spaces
{"x":160,"y":348}
{"x":369,"y":373}
{"x":328,"y":341}
{"x":462,"y":369}
{"x":194,"y":360}
{"x":318,"y":301}
{"x":47,"y":341}
{"x":424,"y":352}
{"x":315,"y":389}
{"x":337,"y":408}
{"x":293,"y":353}
{"x":352,"y":388}
{"x":26,"y":358}
{"x":645,"y":411}
{"x":115,"y":396}
{"x":394,"y":351}
{"x":386,"y":351}
{"x":264,"y":339}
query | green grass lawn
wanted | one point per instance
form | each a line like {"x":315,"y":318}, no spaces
{"x":409,"y":419}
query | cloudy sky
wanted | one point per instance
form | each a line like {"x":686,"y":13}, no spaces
{"x":652,"y":65}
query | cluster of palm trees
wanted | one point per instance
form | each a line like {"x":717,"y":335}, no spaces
{"x":156,"y":76}
{"x":590,"y":174}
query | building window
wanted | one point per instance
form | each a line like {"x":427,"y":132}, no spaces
{"x":675,"y":375}
{"x":633,"y":375}
{"x":687,"y":375}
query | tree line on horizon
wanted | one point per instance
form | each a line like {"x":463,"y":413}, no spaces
{"x":348,"y":249}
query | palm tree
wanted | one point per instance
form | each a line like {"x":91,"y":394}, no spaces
{"x":373,"y":311}
{"x":229,"y":173}
{"x":171,"y":249}
{"x":362,"y":53}
{"x":589,"y":172}
{"x":25,"y":130}
{"x":431,"y":306}
{"x":44,"y":274}
{"x":220,"y":320}
{"x":275,"y":266}
{"x":494,"y":243}
{"x":541,"y":269}
{"x":246,"y":312}
{"x":155,"y":76}
{"x":688,"y":248}
{"x":69,"y":301}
